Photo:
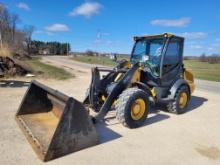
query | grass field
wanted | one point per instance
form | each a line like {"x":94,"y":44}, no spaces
{"x":95,"y":60}
{"x":201,"y":70}
{"x":204,"y":70}
{"x":49,"y":71}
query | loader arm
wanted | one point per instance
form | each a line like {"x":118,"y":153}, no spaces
{"x":117,"y":90}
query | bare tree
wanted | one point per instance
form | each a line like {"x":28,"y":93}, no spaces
{"x":1,"y":22}
{"x":28,"y":31}
{"x":203,"y":58}
{"x":14,"y":20}
{"x":0,"y":39}
{"x":17,"y":41}
{"x":8,"y":23}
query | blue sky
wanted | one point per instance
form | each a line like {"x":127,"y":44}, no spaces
{"x":109,"y":25}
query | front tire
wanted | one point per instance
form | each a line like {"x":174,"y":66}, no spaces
{"x":132,"y":107}
{"x":181,"y":99}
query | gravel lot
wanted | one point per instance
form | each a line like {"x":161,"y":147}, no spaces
{"x":190,"y":138}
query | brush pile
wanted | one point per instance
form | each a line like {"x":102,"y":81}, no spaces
{"x":12,"y":67}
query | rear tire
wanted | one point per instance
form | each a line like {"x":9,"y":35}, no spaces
{"x":181,"y":99}
{"x":132,"y":107}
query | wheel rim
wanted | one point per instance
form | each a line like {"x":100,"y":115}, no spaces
{"x":182,"y":100}
{"x":138,"y":109}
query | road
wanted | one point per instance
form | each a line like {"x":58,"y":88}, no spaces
{"x":165,"y":139}
{"x":209,"y":86}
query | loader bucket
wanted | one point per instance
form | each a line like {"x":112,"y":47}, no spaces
{"x":53,"y":123}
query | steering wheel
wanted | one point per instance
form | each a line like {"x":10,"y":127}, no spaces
{"x":153,"y":68}
{"x":155,"y":59}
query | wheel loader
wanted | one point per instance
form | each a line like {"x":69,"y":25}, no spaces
{"x":56,"y":125}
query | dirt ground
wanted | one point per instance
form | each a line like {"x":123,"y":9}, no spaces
{"x":190,"y":138}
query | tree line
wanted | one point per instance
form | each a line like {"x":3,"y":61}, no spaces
{"x":213,"y":59}
{"x":49,"y":48}
{"x":19,"y":40}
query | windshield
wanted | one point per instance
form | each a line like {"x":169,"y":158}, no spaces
{"x":148,"y":52}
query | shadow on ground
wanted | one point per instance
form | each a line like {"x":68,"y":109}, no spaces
{"x":13,"y":83}
{"x":156,"y":118}
{"x":106,"y":134}
{"x":195,"y":102}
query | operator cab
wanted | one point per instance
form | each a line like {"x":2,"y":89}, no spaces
{"x":148,"y":51}
{"x":161,"y":56}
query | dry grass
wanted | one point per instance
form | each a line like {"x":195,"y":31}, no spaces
{"x":5,"y":51}
{"x":48,"y":71}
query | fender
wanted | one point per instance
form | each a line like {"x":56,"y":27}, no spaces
{"x":175,"y":87}
{"x":142,"y":86}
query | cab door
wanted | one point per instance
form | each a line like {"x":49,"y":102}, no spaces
{"x":172,"y":62}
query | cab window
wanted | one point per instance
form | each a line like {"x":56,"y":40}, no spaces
{"x":172,"y":55}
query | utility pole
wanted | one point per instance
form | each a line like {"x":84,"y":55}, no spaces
{"x":98,"y":41}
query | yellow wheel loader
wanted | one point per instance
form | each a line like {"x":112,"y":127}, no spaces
{"x":56,"y":124}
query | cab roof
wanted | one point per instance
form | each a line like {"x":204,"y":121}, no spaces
{"x":164,"y":35}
